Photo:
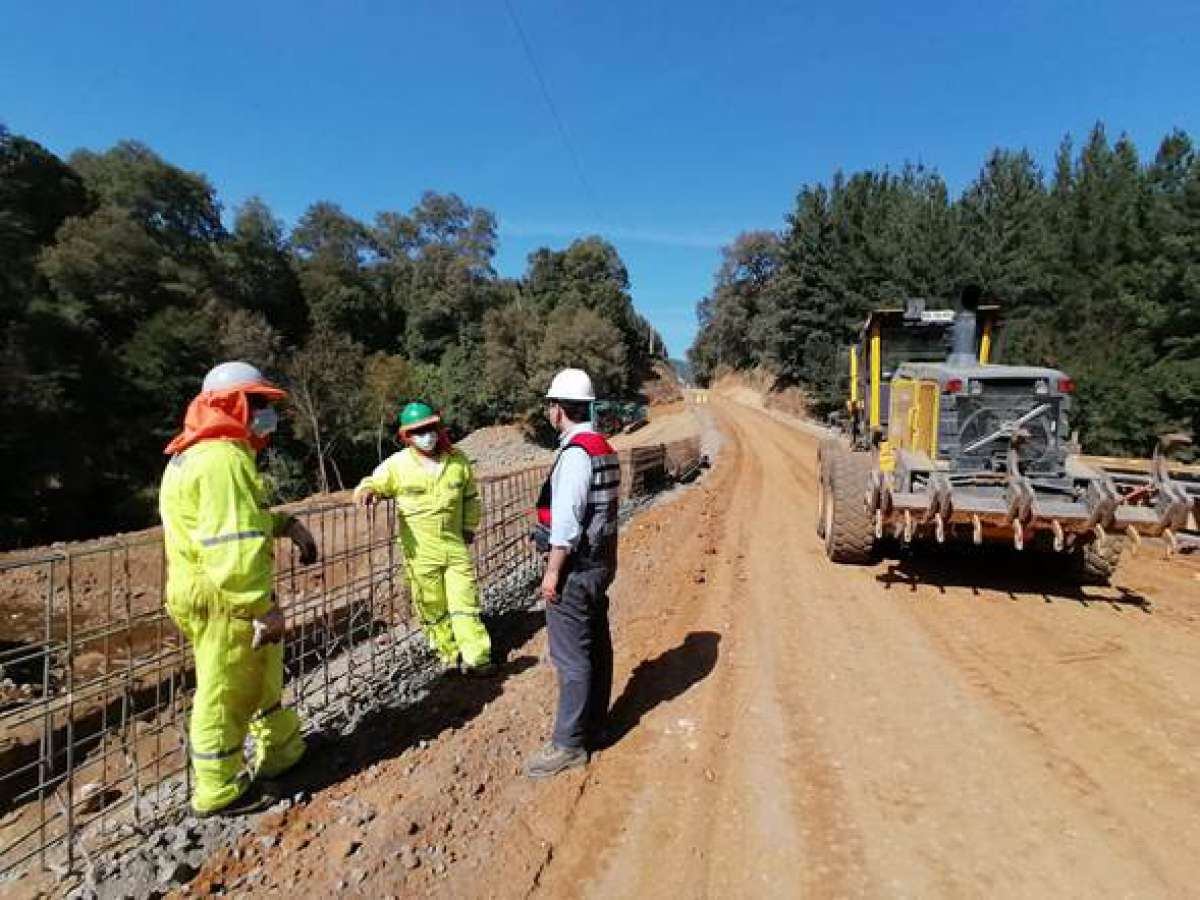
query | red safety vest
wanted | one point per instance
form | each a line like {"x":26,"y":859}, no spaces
{"x":604,"y":493}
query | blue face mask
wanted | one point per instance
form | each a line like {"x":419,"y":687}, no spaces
{"x":264,"y":421}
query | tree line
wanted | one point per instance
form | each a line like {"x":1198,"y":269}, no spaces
{"x":122,"y":283}
{"x":1096,"y":266}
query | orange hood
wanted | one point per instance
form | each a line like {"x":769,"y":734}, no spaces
{"x":222,"y":415}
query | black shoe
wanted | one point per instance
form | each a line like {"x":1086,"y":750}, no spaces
{"x":483,"y":670}
{"x":599,"y":740}
{"x":318,"y":745}
{"x":258,"y":797}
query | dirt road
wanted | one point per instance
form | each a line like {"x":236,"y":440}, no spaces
{"x":786,"y":727}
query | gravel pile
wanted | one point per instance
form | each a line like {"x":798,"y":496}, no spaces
{"x":167,"y":858}
{"x":501,"y":448}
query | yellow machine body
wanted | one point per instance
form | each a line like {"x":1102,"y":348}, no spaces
{"x":907,"y":418}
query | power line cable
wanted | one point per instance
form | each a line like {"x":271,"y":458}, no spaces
{"x":562,"y":128}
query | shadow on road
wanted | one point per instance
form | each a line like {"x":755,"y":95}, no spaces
{"x":662,"y":679}
{"x":448,"y":702}
{"x":1004,"y":571}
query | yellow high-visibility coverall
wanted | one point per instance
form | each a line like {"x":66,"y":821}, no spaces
{"x":219,"y":547}
{"x":433,"y":510}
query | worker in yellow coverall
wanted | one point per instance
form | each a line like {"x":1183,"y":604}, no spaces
{"x":438,"y":511}
{"x":219,"y":542}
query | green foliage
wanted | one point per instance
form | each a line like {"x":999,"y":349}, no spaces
{"x":386,"y":379}
{"x":37,"y":192}
{"x":590,"y":276}
{"x":572,"y":309}
{"x":326,"y":384}
{"x":454,"y":387}
{"x":512,"y":335}
{"x":120,"y":286}
{"x":258,"y":272}
{"x":159,"y":362}
{"x":174,"y":206}
{"x":580,"y":337}
{"x":332,"y":250}
{"x":1098,"y":272}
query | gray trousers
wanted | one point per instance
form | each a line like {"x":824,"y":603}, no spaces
{"x":581,"y":650}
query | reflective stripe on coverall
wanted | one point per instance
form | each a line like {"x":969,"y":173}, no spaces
{"x":219,"y":549}
{"x":433,"y":510}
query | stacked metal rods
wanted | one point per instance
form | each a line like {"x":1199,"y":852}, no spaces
{"x":91,"y":699}
{"x":95,"y":680}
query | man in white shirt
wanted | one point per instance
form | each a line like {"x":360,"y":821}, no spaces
{"x":577,"y":525}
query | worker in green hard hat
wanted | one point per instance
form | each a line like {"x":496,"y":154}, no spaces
{"x":438,"y":511}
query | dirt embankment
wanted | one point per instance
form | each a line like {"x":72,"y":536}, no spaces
{"x":927,"y":726}
{"x":762,"y":390}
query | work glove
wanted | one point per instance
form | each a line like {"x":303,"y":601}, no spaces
{"x":303,"y":540}
{"x":269,"y":628}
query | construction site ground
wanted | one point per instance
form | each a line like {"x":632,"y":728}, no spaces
{"x":937,"y":724}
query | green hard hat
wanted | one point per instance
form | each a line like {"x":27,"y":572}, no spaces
{"x":416,"y":414}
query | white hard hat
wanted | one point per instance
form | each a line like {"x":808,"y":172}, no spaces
{"x":229,"y":375}
{"x":571,"y":384}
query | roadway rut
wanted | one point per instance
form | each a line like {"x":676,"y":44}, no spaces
{"x":936,"y":725}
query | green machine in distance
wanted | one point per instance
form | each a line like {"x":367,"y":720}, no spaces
{"x":619,"y":416}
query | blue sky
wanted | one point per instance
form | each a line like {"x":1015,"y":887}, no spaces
{"x":690,"y":121}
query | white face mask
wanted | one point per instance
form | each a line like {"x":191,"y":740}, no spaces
{"x":264,"y":421}
{"x":425,"y":442}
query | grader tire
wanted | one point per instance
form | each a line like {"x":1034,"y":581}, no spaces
{"x":827,"y":449}
{"x":1092,"y":565}
{"x":849,"y":531}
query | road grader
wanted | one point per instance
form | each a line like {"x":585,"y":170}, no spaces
{"x":938,"y":443}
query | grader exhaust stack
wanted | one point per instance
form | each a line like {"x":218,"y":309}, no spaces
{"x":942,"y":444}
